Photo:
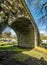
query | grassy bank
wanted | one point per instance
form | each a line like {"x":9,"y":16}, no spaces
{"x":23,"y":54}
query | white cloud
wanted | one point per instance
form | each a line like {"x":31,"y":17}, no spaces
{"x":43,"y":32}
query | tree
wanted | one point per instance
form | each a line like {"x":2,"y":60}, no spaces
{"x":6,"y":34}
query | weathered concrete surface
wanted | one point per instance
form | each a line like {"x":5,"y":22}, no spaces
{"x":25,"y":32}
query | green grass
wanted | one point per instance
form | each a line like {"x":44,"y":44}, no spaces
{"x":19,"y":56}
{"x":39,"y":53}
{"x":24,"y":54}
{"x":11,"y":48}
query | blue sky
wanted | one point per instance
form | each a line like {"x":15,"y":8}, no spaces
{"x":30,"y":4}
{"x":36,"y":16}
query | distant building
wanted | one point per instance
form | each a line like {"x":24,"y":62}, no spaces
{"x":44,"y":41}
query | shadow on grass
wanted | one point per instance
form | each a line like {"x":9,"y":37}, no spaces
{"x":19,"y":58}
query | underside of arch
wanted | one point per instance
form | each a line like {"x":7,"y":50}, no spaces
{"x":25,"y":32}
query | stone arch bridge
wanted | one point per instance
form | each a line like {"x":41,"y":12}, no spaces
{"x":15,"y":13}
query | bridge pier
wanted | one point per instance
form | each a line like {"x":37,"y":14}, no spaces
{"x":26,"y":41}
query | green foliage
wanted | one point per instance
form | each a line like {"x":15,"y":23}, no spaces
{"x":6,"y":34}
{"x":43,"y":37}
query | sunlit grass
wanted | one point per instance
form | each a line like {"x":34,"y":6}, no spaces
{"x":37,"y":53}
{"x":42,"y":49}
{"x":3,"y":43}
